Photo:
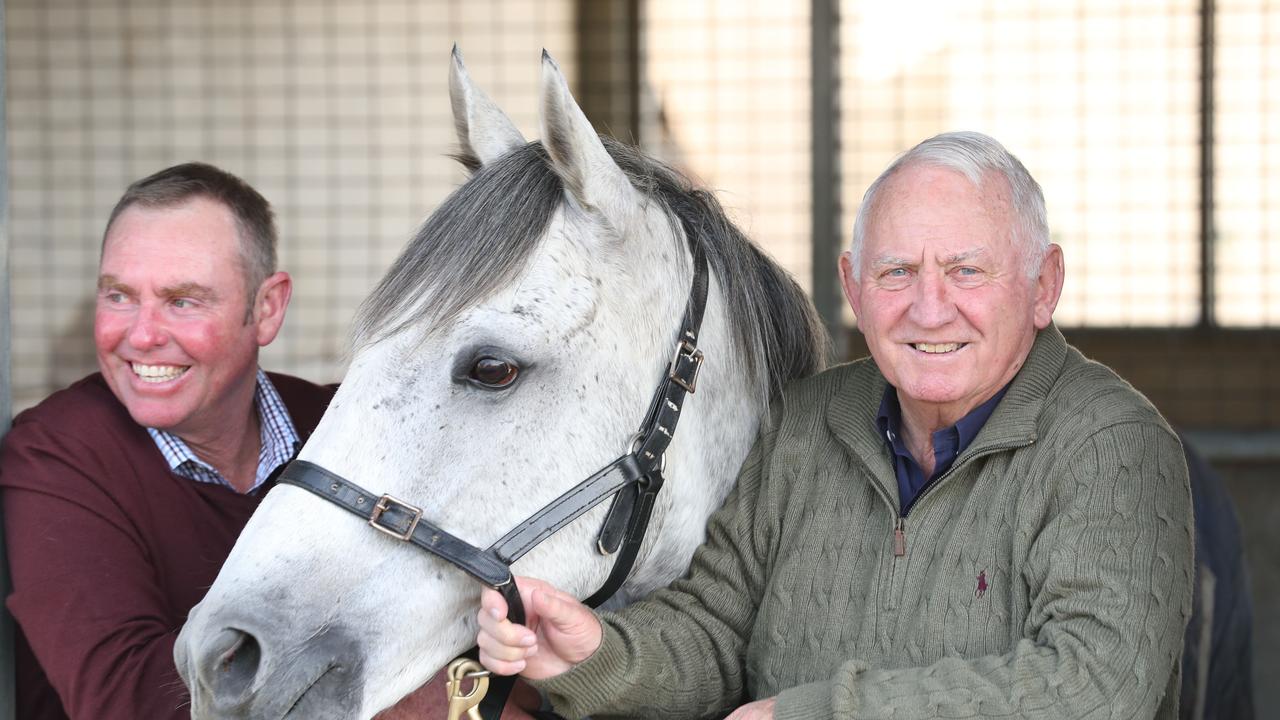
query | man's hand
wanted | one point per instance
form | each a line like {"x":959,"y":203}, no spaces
{"x":430,"y":703}
{"x":758,"y":710}
{"x":561,"y":632}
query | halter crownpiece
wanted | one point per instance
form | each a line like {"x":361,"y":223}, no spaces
{"x":633,"y":480}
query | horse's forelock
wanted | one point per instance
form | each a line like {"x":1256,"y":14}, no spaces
{"x":472,"y":245}
{"x":481,"y":237}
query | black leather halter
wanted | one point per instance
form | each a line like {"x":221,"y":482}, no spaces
{"x":633,"y":480}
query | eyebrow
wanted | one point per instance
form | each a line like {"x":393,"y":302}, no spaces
{"x":203,"y":293}
{"x":965,"y":256}
{"x":892,"y":260}
{"x":954,"y":259}
{"x":200,"y":292}
{"x":111,"y":282}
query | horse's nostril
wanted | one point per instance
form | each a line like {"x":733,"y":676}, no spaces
{"x":231,"y":663}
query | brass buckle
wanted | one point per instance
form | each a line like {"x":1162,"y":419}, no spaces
{"x":384,"y":504}
{"x":690,"y":351}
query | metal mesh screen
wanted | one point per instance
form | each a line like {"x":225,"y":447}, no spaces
{"x":337,"y":110}
{"x":1247,"y":160}
{"x":726,"y":89}
{"x":1099,"y":100}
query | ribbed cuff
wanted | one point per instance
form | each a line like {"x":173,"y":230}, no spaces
{"x":811,"y":701}
{"x":589,"y":686}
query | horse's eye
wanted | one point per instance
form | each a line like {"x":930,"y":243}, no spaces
{"x":494,"y":373}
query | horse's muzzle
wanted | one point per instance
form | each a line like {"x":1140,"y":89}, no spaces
{"x":234,"y":672}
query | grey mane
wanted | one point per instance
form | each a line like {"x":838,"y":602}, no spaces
{"x":480,"y":239}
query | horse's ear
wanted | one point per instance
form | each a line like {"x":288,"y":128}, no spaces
{"x":486,"y":133}
{"x":590,"y":175}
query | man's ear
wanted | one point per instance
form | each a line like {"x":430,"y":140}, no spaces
{"x":849,"y":282}
{"x":1049,"y":286}
{"x":269,"y":306}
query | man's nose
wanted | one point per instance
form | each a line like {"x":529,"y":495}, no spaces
{"x":933,"y":305}
{"x":148,"y":328}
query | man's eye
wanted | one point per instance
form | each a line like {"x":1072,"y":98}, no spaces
{"x":182,"y":303}
{"x":967,"y":271}
{"x":896,"y":273}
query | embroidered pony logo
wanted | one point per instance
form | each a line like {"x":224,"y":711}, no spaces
{"x":982,"y":584}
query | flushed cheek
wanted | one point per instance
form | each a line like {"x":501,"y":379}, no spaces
{"x":107,"y":334}
{"x":204,"y":342}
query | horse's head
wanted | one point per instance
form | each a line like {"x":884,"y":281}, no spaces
{"x":511,"y":351}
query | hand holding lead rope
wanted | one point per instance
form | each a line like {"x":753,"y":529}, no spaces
{"x":467,"y":703}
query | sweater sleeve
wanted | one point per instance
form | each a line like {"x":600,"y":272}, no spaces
{"x":678,"y":653}
{"x":1110,"y":574}
{"x":84,"y":590}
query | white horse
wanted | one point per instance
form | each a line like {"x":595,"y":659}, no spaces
{"x":510,"y":352}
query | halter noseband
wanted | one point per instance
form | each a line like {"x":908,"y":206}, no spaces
{"x":633,"y":480}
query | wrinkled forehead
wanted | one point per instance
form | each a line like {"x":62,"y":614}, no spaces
{"x":940,"y":188}
{"x":199,"y":223}
{"x":944,"y":206}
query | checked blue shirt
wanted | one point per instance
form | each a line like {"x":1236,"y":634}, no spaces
{"x":279,"y":441}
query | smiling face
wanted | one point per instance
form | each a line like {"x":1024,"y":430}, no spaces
{"x":942,"y":295}
{"x":170,"y":324}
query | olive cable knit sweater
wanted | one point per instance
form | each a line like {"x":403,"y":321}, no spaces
{"x":1046,"y":575}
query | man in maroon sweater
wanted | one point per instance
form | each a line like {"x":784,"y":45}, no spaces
{"x":123,"y":493}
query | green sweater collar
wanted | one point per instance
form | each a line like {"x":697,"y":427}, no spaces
{"x":856,"y":398}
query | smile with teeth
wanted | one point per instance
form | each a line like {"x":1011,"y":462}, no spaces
{"x":937,"y":348}
{"x":157,"y":373}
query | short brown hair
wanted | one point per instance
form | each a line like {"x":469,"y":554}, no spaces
{"x":254,"y":217}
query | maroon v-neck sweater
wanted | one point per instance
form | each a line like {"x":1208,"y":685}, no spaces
{"x":109,"y":551}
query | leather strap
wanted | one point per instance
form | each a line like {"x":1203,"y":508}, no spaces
{"x":635,"y":503}
{"x":605,"y":483}
{"x":638,"y":521}
{"x":404,"y":522}
{"x":500,"y":686}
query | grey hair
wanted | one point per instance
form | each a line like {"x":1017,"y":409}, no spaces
{"x":973,"y":155}
{"x":481,"y":237}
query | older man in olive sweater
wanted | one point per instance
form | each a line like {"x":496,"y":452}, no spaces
{"x":977,"y":522}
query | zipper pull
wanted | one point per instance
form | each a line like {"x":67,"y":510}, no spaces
{"x":900,"y":537}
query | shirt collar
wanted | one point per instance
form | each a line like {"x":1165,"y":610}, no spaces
{"x":279,"y":441}
{"x":889,"y":420}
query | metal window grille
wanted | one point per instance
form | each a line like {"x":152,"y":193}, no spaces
{"x":336,"y":110}
{"x":1246,"y":145}
{"x":1098,"y":99}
